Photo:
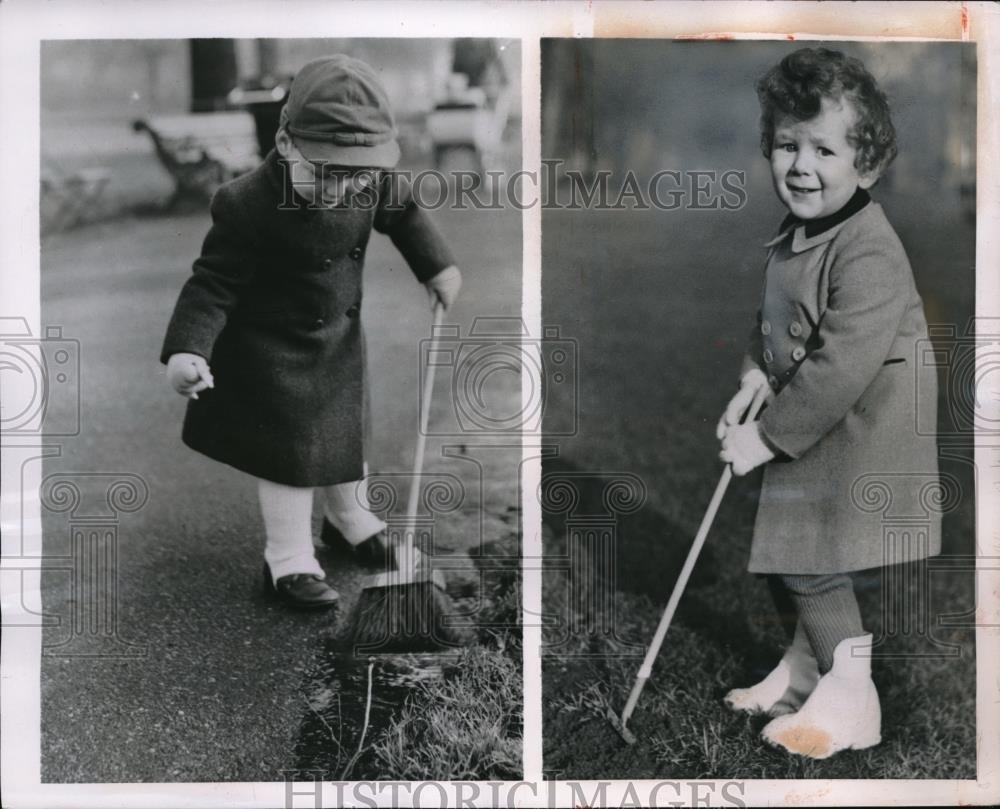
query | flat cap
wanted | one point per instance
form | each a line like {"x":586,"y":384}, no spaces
{"x":338,"y":112}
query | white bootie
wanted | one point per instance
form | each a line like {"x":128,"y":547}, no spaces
{"x":842,"y":713}
{"x":785,"y":689}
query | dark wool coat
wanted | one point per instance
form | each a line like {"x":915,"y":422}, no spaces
{"x":842,"y":336}
{"x":274,"y":305}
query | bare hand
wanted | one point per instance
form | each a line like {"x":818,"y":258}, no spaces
{"x":188,"y":374}
{"x":444,"y":286}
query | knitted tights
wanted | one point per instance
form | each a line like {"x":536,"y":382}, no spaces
{"x":826,"y":606}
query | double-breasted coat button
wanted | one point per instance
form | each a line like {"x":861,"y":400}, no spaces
{"x":356,"y":253}
{"x":798,"y":353}
{"x":768,"y":356}
{"x":795,"y":329}
{"x":772,"y":380}
{"x":765,"y":328}
{"x":318,"y":323}
{"x":353,"y":311}
{"x":327,"y":263}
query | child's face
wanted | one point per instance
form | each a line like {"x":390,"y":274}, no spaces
{"x":812,"y":162}
{"x":323,"y":184}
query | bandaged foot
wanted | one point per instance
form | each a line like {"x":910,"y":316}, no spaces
{"x":788,"y":685}
{"x":842,"y":713}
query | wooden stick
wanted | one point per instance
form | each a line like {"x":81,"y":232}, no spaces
{"x":668,"y":614}
{"x":407,"y":565}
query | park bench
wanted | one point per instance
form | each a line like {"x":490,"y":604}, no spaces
{"x":202,"y":150}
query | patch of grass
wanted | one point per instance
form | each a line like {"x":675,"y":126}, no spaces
{"x":503,"y":631}
{"x":685,"y":731}
{"x":464,"y":727}
{"x":725,"y":635}
{"x":469,"y":724}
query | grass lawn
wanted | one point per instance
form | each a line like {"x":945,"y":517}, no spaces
{"x":660,"y":304}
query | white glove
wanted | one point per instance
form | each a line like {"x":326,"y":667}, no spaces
{"x":753,"y":383}
{"x":188,"y":374}
{"x":743,"y":447}
{"x":444,"y":286}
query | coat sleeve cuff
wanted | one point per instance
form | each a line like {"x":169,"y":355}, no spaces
{"x":169,"y":350}
{"x":779,"y":451}
{"x":748,"y":365}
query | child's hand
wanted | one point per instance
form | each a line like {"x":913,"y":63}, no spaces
{"x":188,"y":374}
{"x":752,"y":384}
{"x":444,"y":286}
{"x":743,"y":447}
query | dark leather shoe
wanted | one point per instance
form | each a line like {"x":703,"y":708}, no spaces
{"x":372,"y":552}
{"x":304,"y":591}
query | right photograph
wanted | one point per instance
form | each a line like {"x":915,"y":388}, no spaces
{"x":758,"y":497}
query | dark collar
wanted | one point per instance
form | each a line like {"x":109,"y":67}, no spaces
{"x":813,"y":227}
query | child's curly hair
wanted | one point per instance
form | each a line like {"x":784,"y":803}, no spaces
{"x":797,"y":85}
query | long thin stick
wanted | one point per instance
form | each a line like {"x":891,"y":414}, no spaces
{"x":407,"y":565}
{"x":668,"y":614}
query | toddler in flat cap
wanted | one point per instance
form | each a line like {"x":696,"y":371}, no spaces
{"x":266,"y":339}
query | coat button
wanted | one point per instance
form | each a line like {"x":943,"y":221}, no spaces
{"x":356,"y":253}
{"x":795,"y":329}
{"x":768,"y":356}
{"x":772,"y":380}
{"x":327,"y":263}
{"x":798,"y":353}
{"x":353,"y":311}
{"x":765,"y":328}
{"x":318,"y":323}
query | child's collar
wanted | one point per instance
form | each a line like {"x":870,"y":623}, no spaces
{"x":807,"y":230}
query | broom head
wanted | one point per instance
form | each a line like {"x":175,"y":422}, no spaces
{"x":399,"y":613}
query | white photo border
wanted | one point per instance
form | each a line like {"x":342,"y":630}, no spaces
{"x":23,"y":25}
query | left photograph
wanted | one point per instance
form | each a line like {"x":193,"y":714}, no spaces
{"x":279,"y":496}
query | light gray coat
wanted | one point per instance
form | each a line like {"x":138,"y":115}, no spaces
{"x":842,"y":336}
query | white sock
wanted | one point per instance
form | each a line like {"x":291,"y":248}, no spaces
{"x":287,"y":512}
{"x":346,"y":506}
